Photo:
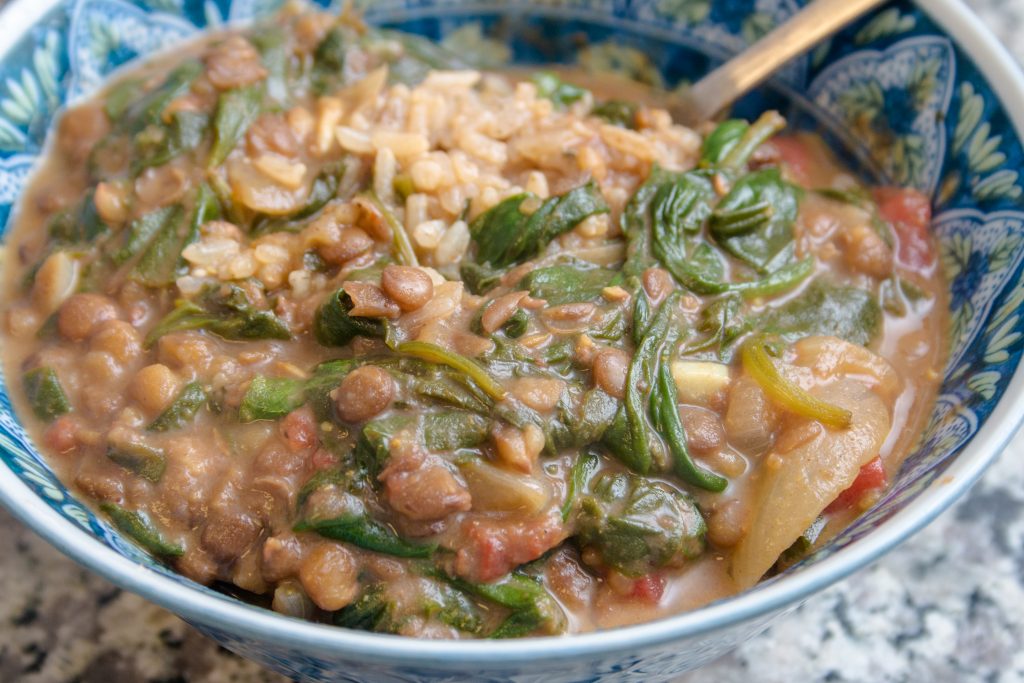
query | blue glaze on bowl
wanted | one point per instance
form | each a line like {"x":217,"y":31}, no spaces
{"x":920,"y":97}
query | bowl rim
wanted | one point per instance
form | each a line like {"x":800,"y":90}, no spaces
{"x":247,"y":621}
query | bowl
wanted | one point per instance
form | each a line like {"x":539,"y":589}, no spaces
{"x":918,"y":94}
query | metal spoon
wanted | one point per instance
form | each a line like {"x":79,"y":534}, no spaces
{"x":723,"y":86}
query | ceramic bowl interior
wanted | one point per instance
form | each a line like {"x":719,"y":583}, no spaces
{"x":914,"y":95}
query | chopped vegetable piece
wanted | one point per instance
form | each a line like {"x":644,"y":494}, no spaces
{"x":45,"y":394}
{"x":722,"y":140}
{"x":665,"y":413}
{"x":767,"y":125}
{"x":144,"y":460}
{"x":636,"y":526}
{"x":182,"y":409}
{"x":236,"y":111}
{"x":139,"y":528}
{"x":565,"y":284}
{"x":361,"y":531}
{"x":785,"y":393}
{"x":225,"y":311}
{"x":270,"y":398}
{"x":404,"y":253}
{"x":532,"y":607}
{"x":504,"y":235}
{"x":826,"y":309}
{"x":333,"y":326}
{"x":435,"y":354}
{"x":754,"y":222}
{"x":583,"y":470}
{"x":551,"y":87}
{"x":161,"y":263}
{"x":617,"y":112}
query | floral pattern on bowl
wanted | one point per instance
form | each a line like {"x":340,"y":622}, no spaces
{"x":905,"y":98}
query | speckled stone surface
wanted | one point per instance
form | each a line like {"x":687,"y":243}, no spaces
{"x":945,"y":607}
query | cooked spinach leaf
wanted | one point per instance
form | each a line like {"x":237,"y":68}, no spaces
{"x":567,"y":283}
{"x":504,"y":235}
{"x":826,"y":309}
{"x":223,"y":310}
{"x":182,"y":409}
{"x":754,"y":222}
{"x":45,"y":394}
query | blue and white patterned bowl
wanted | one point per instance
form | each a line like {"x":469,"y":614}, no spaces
{"x":920,"y":93}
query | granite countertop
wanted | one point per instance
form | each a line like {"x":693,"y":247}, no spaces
{"x":943,"y":607}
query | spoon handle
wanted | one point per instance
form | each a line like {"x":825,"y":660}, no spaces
{"x":802,"y":31}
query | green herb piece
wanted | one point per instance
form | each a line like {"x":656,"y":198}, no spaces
{"x":479,"y":279}
{"x":236,"y":111}
{"x":551,"y":87}
{"x":435,"y":354}
{"x":531,"y":607}
{"x":767,"y":125}
{"x":161,"y":262}
{"x":453,"y":608}
{"x":149,"y":108}
{"x":637,"y":525}
{"x":80,"y":225}
{"x":149,"y":462}
{"x":665,"y":418}
{"x":617,"y":113}
{"x":363,"y":532}
{"x":270,"y":398}
{"x":452,"y":430}
{"x":787,"y":394}
{"x":583,"y":470}
{"x":329,"y":59}
{"x":371,"y":611}
{"x":722,"y":140}
{"x":563,"y":284}
{"x":826,"y":309}
{"x":517,"y":325}
{"x":120,"y":97}
{"x":802,"y":546}
{"x":45,"y":394}
{"x":157,"y":144}
{"x":677,"y":208}
{"x":334,"y":326}
{"x":138,"y":527}
{"x":899,"y":296}
{"x":182,"y":409}
{"x":754,"y":222}
{"x":442,"y":431}
{"x":143,"y":230}
{"x":723,"y":322}
{"x":326,"y":378}
{"x":223,"y":310}
{"x":504,"y":235}
{"x":404,"y":253}
{"x":272,"y":44}
{"x":634,"y":446}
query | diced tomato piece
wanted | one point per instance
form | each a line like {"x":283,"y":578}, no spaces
{"x":870,"y":478}
{"x":490,"y":549}
{"x":798,"y":157}
{"x":648,"y":588}
{"x":61,"y":436}
{"x":910,"y":214}
{"x":299,"y":429}
{"x":323,"y":459}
